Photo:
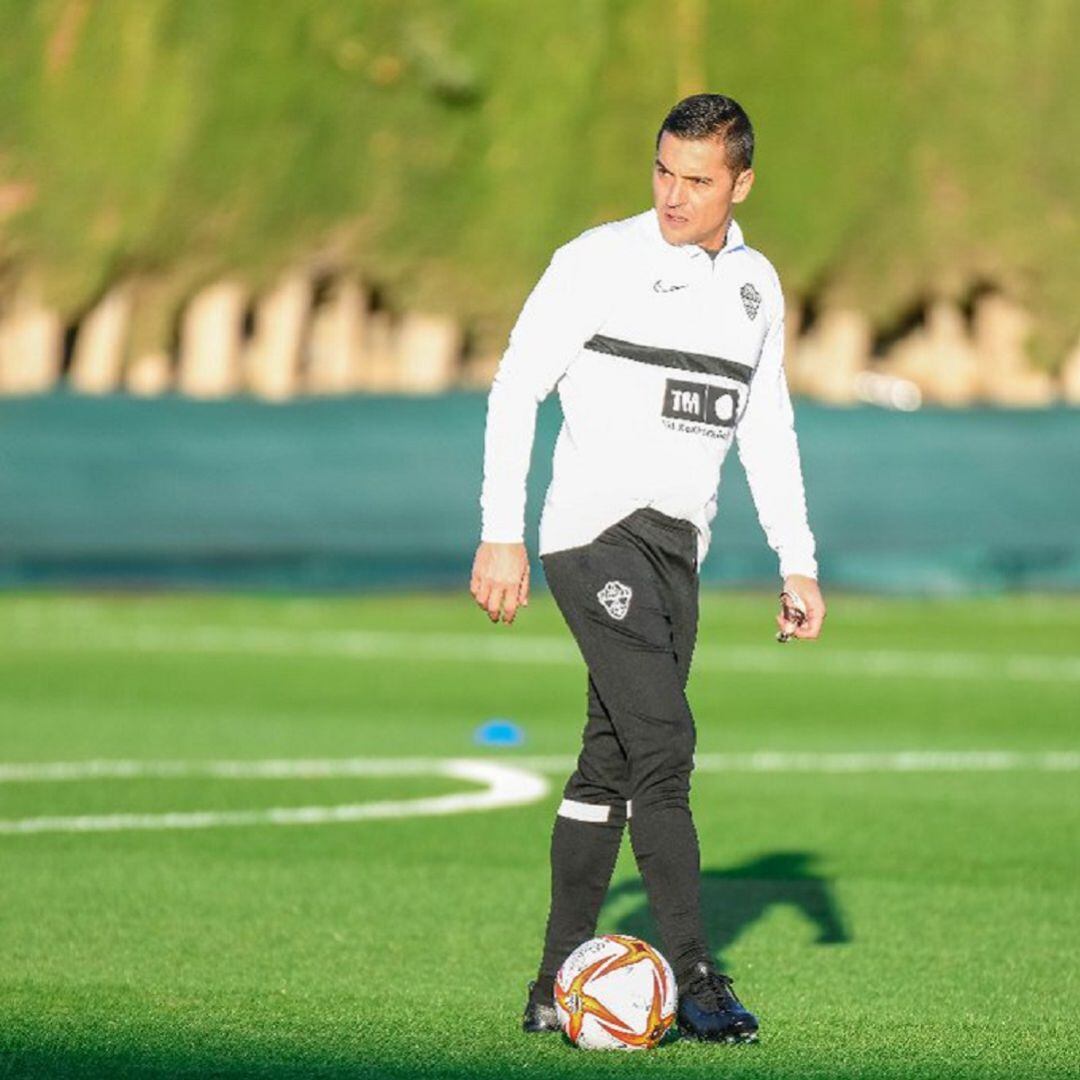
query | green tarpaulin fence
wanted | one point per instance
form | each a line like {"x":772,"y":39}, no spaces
{"x":382,"y":492}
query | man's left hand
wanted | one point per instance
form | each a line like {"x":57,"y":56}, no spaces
{"x":806,"y":588}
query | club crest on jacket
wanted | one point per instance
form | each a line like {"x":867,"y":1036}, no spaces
{"x":751,"y":300}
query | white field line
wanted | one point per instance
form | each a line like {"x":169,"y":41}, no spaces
{"x":516,"y":784}
{"x":901,"y":761}
{"x":505,"y":785}
{"x":273,"y":769}
{"x":500,"y":645}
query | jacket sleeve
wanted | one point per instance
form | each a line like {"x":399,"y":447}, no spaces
{"x":769,"y":452}
{"x":560,"y":314}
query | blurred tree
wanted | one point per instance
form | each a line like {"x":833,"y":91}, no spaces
{"x":906,"y":150}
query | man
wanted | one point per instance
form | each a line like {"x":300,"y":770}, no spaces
{"x":664,"y":336}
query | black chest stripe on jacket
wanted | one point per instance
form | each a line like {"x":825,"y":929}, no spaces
{"x":670,"y":358}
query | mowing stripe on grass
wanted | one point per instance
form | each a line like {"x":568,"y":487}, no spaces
{"x":801,"y":659}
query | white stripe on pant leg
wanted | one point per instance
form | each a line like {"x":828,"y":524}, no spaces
{"x":629,"y":809}
{"x":583,"y":811}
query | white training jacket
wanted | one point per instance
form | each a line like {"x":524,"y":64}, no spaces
{"x":660,"y":355}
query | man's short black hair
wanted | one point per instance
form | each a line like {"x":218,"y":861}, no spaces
{"x":714,"y":116}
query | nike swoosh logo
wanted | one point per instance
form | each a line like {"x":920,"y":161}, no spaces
{"x":659,"y":286}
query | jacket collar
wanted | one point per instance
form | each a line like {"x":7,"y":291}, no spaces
{"x":733,"y":241}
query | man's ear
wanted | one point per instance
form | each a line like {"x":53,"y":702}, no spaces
{"x":743,"y":183}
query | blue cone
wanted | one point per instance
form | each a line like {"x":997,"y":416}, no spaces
{"x":498,"y":732}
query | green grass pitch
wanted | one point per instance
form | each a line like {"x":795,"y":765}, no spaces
{"x":885,"y":916}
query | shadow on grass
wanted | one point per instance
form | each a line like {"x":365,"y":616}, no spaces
{"x":95,"y":1064}
{"x":548,"y":1059}
{"x":734,"y":898}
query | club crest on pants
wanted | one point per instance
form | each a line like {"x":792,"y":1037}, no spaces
{"x":615,"y":596}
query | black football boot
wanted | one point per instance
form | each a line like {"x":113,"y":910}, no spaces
{"x":710,"y":1011}
{"x":540,"y":1014}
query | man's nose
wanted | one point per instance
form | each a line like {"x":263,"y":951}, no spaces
{"x":676,"y":194}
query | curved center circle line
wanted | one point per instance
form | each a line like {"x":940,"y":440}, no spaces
{"x":505,"y":786}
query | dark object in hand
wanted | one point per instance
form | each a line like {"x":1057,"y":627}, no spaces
{"x":794,"y":612}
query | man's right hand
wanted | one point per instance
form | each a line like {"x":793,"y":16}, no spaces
{"x":500,"y":579}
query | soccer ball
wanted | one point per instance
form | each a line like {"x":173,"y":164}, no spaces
{"x":615,"y":993}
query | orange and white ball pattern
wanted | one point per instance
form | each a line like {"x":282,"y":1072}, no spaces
{"x":615,"y":993}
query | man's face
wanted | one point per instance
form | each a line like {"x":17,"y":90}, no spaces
{"x":694,"y":190}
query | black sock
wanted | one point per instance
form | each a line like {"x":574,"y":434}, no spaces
{"x":583,"y":855}
{"x":666,"y":849}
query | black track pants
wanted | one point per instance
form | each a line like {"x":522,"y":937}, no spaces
{"x":630,"y":598}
